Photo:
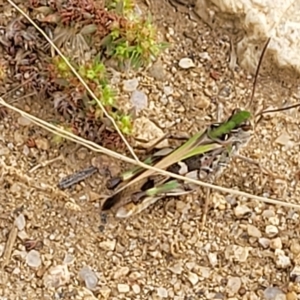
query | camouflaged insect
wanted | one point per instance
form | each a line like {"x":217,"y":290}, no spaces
{"x":202,"y":156}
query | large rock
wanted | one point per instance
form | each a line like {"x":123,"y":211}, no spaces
{"x":260,"y":20}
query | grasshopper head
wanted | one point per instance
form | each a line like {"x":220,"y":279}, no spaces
{"x":242,"y":132}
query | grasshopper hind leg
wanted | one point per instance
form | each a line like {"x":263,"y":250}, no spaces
{"x":111,"y":201}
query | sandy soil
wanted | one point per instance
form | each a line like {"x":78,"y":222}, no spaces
{"x":248,"y":250}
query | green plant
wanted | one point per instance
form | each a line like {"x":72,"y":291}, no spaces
{"x":135,"y":41}
{"x":122,"y":7}
{"x":124,"y":122}
{"x":61,"y":68}
{"x":95,"y":75}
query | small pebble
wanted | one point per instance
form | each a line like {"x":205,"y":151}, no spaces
{"x":282,"y":261}
{"x":213,"y":259}
{"x":273,"y":293}
{"x":33,"y":259}
{"x":121,"y":272}
{"x":108,"y":245}
{"x":276,"y":243}
{"x":136,"y":288}
{"x":295,"y":247}
{"x":295,"y":272}
{"x":291,"y":296}
{"x":123,"y":288}
{"x":139,"y":100}
{"x":181,"y":206}
{"x":264,"y":242}
{"x":284,"y":139}
{"x":20,"y":222}
{"x":186,"y":63}
{"x":87,"y":275}
{"x":69,"y":259}
{"x":193,"y":278}
{"x":162,"y":292}
{"x":4,"y":151}
{"x":240,"y":253}
{"x":271,"y":230}
{"x":19,"y":138}
{"x":268,"y":213}
{"x":56,"y":276}
{"x":26,"y":150}
{"x":130,"y":85}
{"x":116,"y":77}
{"x":205,"y":272}
{"x":23,"y":121}
{"x":253,"y":231}
{"x":176,"y":269}
{"x":157,"y":71}
{"x":168,"y":90}
{"x":233,"y":285}
{"x":241,"y":210}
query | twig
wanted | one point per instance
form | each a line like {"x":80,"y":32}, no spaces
{"x":9,"y":246}
{"x":46,"y":163}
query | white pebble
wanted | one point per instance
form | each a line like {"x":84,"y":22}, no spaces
{"x":264,"y":242}
{"x":271,"y":230}
{"x":130,"y":85}
{"x":186,"y":63}
{"x":282,"y":261}
{"x":273,"y":293}
{"x":168,"y":90}
{"x":123,"y":271}
{"x":233,"y":285}
{"x":56,"y":276}
{"x":213,"y":259}
{"x":162,"y":292}
{"x":139,"y":100}
{"x":253,"y":231}
{"x":123,"y":288}
{"x":240,"y":253}
{"x":193,"y":278}
{"x":241,"y":210}
{"x":108,"y":245}
{"x":276,"y":243}
{"x":176,"y":269}
{"x":136,"y":288}
{"x":20,"y":222}
{"x":89,"y":277}
{"x":33,"y":259}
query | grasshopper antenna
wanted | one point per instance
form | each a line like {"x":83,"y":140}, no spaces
{"x":261,"y":113}
{"x":257,"y":71}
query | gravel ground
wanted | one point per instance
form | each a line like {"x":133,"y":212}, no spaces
{"x":57,"y":245}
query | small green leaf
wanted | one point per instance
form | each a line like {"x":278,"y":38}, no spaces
{"x":164,"y":188}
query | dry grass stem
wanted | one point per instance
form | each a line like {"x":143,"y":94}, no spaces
{"x":94,"y":147}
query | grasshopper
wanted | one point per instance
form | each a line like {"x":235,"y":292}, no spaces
{"x":203,"y":154}
{"x":201,"y":157}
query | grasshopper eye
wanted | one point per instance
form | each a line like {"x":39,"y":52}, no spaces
{"x":246,"y":127}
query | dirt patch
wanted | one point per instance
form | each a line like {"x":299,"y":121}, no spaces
{"x":247,"y":250}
